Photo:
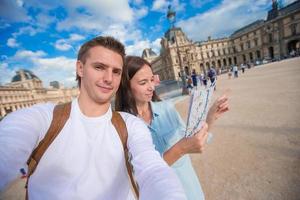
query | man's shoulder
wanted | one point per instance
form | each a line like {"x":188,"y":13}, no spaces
{"x":133,"y":123}
{"x":129,"y":118}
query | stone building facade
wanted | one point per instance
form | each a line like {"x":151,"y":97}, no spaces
{"x":26,"y":89}
{"x":275,"y":38}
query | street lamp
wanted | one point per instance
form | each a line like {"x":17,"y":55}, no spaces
{"x":171,"y":15}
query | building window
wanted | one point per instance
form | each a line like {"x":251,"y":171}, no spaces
{"x":255,"y":42}
{"x":248,"y":45}
{"x":213,"y":53}
{"x":293,"y":29}
{"x":270,"y":37}
{"x":242,"y":47}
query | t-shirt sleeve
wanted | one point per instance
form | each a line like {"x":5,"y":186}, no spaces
{"x":156,"y":180}
{"x":20,"y":133}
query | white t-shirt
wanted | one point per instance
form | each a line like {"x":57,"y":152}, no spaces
{"x":86,"y":160}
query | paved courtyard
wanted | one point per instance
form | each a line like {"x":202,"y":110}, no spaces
{"x":255,"y":153}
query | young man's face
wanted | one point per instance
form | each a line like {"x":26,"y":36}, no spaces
{"x":100,"y":74}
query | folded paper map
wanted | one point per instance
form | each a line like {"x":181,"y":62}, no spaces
{"x":199,"y":105}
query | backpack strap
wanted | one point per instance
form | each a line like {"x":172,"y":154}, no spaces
{"x":120,"y":126}
{"x":61,"y":114}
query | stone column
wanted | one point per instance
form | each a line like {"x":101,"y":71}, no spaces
{"x":3,"y":113}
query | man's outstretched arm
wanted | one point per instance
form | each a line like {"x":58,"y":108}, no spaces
{"x":156,"y":180}
{"x":20,"y":133}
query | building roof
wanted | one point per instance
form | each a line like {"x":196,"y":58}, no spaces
{"x":290,"y":8}
{"x":24,"y":74}
{"x":281,"y":12}
{"x":248,"y":27}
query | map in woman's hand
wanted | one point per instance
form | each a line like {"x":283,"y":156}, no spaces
{"x":198,"y":109}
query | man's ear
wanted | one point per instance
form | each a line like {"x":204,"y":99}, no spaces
{"x":79,"y":68}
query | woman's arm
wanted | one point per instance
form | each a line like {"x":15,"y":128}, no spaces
{"x":196,"y":143}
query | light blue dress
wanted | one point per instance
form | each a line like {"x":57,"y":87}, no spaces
{"x":167,"y":128}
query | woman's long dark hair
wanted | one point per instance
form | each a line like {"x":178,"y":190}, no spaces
{"x":124,"y":98}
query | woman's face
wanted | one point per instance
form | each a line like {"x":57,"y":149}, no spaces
{"x":142,"y":85}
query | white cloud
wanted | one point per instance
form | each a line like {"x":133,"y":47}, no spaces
{"x":55,"y":69}
{"x":62,"y":45}
{"x":222,"y":20}
{"x":13,"y":11}
{"x":138,"y":47}
{"x":96,"y":15}
{"x":162,"y":5}
{"x":26,"y":30}
{"x":141,"y":12}
{"x":27,"y":54}
{"x":48,"y":69}
{"x":198,"y":4}
{"x":159,"y":4}
{"x":67,"y":44}
{"x":12,"y":42}
{"x":5,"y":73}
{"x":76,"y":37}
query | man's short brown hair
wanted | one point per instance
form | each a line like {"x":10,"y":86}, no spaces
{"x":104,"y":41}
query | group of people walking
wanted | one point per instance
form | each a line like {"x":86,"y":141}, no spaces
{"x":202,"y":79}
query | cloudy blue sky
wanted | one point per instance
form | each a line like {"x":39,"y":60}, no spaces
{"x":44,"y":36}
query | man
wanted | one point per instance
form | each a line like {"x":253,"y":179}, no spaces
{"x":235,"y":71}
{"x":243,"y":66}
{"x":212,"y":76}
{"x":86,"y":159}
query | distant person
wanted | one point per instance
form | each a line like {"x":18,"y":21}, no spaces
{"x":229,"y":73}
{"x":205,"y":81}
{"x":189,"y":84}
{"x":194,"y":78}
{"x":212,"y":75}
{"x":235,"y":71}
{"x":243,"y":67}
{"x":137,"y":96}
{"x":86,"y":160}
{"x":201,"y":77}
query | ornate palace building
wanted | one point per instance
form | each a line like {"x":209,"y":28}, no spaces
{"x":26,"y":89}
{"x":275,"y":38}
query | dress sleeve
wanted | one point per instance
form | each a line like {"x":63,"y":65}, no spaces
{"x":156,"y":180}
{"x":20,"y":133}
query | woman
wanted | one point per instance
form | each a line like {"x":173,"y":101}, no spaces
{"x":136,"y":95}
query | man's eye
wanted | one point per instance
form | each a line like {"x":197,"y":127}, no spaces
{"x":99,"y":67}
{"x":117,"y":72}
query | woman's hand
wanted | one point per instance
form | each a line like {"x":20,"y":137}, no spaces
{"x":193,"y":144}
{"x":220,"y":106}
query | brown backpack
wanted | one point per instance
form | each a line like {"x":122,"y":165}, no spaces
{"x":61,"y":114}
